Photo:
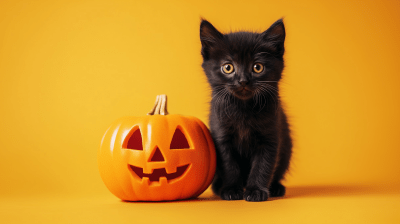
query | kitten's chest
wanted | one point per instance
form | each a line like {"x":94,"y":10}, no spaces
{"x":242,"y":133}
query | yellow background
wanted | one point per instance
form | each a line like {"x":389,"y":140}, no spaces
{"x":70,"y":68}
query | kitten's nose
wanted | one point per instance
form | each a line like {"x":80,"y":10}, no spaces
{"x":243,"y":82}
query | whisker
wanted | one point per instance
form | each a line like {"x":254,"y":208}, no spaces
{"x":267,"y":89}
{"x":264,"y":101}
{"x":255,"y":97}
{"x":218,"y":92}
{"x":218,"y":97}
{"x":221,"y":98}
{"x":226,"y":95}
{"x":277,"y":100}
{"x":270,"y":86}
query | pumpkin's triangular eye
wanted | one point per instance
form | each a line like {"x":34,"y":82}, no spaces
{"x":135,"y":141}
{"x":179,"y":140}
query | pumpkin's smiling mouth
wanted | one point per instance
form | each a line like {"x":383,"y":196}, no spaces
{"x":157,"y":173}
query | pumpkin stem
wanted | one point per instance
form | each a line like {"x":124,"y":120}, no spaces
{"x":160,"y":107}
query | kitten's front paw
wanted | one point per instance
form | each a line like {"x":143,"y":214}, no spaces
{"x":232,"y":193}
{"x":277,"y":190}
{"x":255,"y":195}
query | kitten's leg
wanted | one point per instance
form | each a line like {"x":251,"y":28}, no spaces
{"x":260,"y":175}
{"x":217,"y":183}
{"x":277,"y":189}
{"x":228,"y":182}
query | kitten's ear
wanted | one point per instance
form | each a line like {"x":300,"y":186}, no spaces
{"x":209,"y":36}
{"x":274,"y":37}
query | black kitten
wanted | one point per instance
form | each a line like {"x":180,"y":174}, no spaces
{"x":247,"y":122}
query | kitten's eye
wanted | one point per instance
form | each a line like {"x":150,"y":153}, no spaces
{"x":227,"y":68}
{"x":258,"y":68}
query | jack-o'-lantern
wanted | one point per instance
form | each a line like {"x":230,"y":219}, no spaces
{"x":157,"y":157}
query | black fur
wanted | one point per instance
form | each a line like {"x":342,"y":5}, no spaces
{"x":247,"y":122}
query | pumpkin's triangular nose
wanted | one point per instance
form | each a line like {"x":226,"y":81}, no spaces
{"x":157,"y":156}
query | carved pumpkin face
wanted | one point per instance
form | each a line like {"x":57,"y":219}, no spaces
{"x":144,"y":169}
{"x":158,"y":157}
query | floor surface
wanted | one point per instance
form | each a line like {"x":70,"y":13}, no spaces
{"x":304,"y":204}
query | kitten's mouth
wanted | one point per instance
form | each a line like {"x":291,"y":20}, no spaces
{"x":244,"y":90}
{"x":243,"y":93}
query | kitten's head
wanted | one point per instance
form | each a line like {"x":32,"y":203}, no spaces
{"x":243,"y":64}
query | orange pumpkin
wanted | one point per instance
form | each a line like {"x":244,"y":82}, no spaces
{"x":157,"y":157}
